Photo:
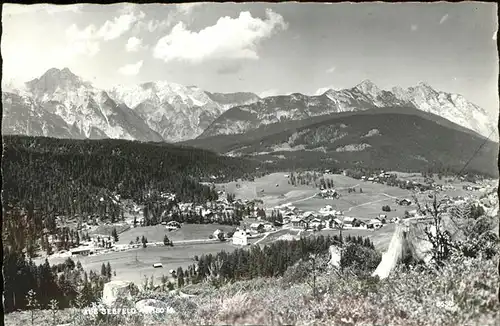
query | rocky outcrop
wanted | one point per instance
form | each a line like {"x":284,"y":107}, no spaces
{"x":334,"y":256}
{"x":118,"y":289}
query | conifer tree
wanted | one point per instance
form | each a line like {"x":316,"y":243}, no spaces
{"x":114,"y":233}
{"x":108,"y":271}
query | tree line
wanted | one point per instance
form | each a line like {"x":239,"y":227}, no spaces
{"x":68,"y":177}
{"x":67,"y":283}
{"x":47,"y":178}
{"x":274,"y":259}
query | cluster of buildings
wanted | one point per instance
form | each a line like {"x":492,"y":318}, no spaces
{"x":97,"y":244}
{"x":211,"y":212}
{"x":172,"y":225}
{"x":241,"y":235}
{"x":329,"y":194}
{"x":473,"y":188}
{"x":326,"y":218}
{"x":331,"y":222}
{"x":377,"y":178}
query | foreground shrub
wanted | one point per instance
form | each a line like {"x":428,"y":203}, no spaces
{"x":360,"y":258}
{"x":461,"y":292}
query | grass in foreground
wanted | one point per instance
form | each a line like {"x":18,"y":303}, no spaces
{"x":461,"y":293}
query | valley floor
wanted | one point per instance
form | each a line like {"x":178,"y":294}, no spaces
{"x":193,"y":239}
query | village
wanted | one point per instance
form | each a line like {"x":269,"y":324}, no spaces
{"x":260,"y":212}
{"x":245,"y":219}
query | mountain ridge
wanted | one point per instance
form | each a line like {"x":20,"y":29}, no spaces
{"x":152,"y":111}
{"x":61,"y":104}
{"x":366,"y":139}
{"x":225,"y":143}
{"x":364,"y":96}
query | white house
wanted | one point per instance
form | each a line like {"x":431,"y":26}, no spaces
{"x":395,"y":220}
{"x":299,"y":223}
{"x":327,"y":210}
{"x":240,"y":238}
{"x":255,"y":226}
{"x":217,"y":232}
{"x":348,"y":220}
{"x":374,"y":224}
{"x":334,"y":223}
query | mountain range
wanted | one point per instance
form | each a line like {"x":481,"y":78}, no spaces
{"x":394,"y":138}
{"x":364,"y":96}
{"x":60,"y":104}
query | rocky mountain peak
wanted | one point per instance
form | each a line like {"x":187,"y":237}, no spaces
{"x":368,"y":87}
{"x":53,"y":79}
{"x":424,"y":89}
{"x":178,"y":112}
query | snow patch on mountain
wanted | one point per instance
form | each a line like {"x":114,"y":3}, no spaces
{"x":353,"y":148}
{"x":175,"y":111}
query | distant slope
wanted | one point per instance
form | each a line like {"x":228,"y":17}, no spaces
{"x":233,"y":99}
{"x":226,"y":143}
{"x":277,"y":109}
{"x":21,"y":115}
{"x":394,"y":138}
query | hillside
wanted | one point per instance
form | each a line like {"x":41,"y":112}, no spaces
{"x":364,"y":96}
{"x":73,"y":176}
{"x":276,"y":109}
{"x":175,"y":111}
{"x":233,"y":99}
{"x":463,"y":292}
{"x":402,"y":139}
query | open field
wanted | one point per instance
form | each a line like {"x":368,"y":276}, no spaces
{"x":128,"y":268}
{"x":380,"y":237}
{"x":276,"y":235}
{"x":272,"y":195}
{"x":365,"y":205}
{"x":186,"y":232}
{"x":107,"y":229}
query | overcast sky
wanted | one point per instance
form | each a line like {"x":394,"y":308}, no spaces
{"x":260,"y":47}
